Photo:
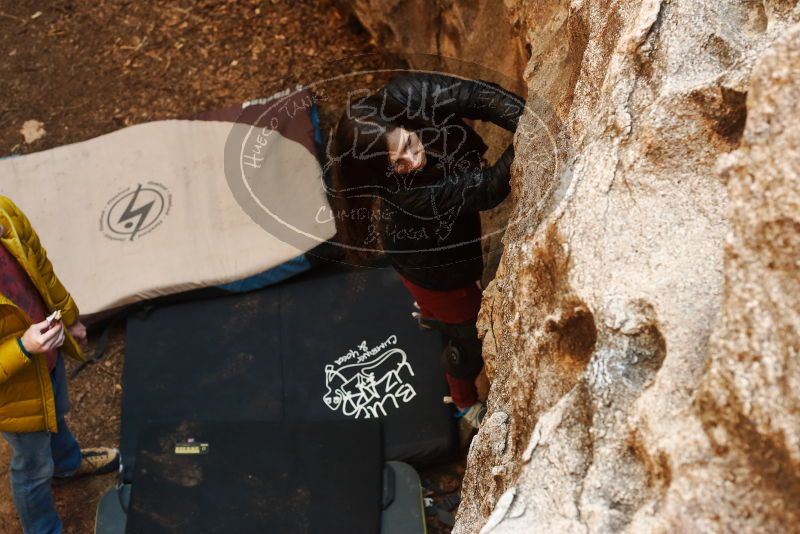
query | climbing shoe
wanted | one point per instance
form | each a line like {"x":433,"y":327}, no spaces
{"x":474,"y":414}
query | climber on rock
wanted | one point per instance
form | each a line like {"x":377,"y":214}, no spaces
{"x":405,"y":160}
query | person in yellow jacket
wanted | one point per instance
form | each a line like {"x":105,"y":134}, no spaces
{"x":33,"y":387}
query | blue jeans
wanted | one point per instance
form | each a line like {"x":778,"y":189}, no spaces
{"x":36,"y":457}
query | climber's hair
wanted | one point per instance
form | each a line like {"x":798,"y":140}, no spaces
{"x":358,"y":163}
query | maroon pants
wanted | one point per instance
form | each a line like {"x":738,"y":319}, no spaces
{"x":454,"y":306}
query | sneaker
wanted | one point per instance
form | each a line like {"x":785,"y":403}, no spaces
{"x":95,"y":461}
{"x":474,"y":414}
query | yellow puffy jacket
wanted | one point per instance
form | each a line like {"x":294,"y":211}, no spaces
{"x":26,"y":393}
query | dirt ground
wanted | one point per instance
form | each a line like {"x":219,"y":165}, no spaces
{"x":91,"y":67}
{"x":85,"y":68}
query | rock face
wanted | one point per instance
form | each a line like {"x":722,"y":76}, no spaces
{"x":478,"y":32}
{"x":643,"y":331}
{"x":749,"y":400}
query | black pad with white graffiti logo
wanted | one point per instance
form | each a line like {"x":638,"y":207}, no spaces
{"x":362,"y":356}
{"x":330,"y":345}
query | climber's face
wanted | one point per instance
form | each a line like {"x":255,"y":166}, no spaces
{"x":406,"y":152}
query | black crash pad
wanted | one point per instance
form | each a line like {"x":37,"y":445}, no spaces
{"x":257,"y":477}
{"x":329,"y":345}
{"x":402,"y":504}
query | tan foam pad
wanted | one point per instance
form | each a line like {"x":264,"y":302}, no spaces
{"x":147,"y":211}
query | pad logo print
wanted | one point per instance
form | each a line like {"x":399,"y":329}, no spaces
{"x":369,"y":382}
{"x":135,"y":211}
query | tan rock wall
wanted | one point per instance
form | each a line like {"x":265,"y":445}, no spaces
{"x":479,"y":32}
{"x":622,"y":444}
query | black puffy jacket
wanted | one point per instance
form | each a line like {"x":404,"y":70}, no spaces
{"x":431,"y":227}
